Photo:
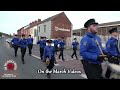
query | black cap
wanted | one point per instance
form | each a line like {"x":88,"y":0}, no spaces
{"x":29,"y":35}
{"x":49,"y":41}
{"x":62,"y":37}
{"x":15,"y":34}
{"x":23,"y":35}
{"x":90,"y":22}
{"x":113,"y":30}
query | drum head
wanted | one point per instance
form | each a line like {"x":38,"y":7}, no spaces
{"x":115,"y":68}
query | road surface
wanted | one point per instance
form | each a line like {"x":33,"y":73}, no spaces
{"x":29,"y":70}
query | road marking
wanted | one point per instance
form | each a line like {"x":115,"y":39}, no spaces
{"x":36,"y":56}
{"x":56,"y":64}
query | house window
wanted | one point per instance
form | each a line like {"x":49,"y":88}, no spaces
{"x":35,"y":32}
{"x":44,"y":28}
{"x":39,"y":29}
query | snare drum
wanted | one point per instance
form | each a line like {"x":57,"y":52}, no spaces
{"x":115,"y":71}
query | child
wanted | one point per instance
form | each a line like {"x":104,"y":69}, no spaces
{"x":75,"y":44}
{"x":49,"y":56}
{"x":23,"y":45}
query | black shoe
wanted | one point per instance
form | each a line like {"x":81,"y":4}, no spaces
{"x":48,"y":75}
{"x":71,"y":56}
{"x":63,"y":59}
{"x":23,"y":62}
{"x":76,"y":58}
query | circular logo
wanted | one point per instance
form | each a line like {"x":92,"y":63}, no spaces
{"x":10,"y":65}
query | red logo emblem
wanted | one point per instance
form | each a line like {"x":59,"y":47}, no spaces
{"x":10,"y":66}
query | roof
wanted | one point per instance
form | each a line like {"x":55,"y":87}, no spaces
{"x":51,"y":18}
{"x":110,"y":23}
{"x":115,"y":23}
{"x":76,"y":30}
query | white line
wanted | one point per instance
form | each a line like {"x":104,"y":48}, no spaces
{"x":56,"y":64}
{"x":36,"y":56}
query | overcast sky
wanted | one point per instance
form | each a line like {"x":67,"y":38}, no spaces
{"x":11,"y":21}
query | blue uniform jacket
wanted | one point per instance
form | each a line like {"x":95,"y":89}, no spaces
{"x":42,"y":43}
{"x":61,"y":43}
{"x":89,"y":49}
{"x":23,"y":43}
{"x":49,"y":51}
{"x":111,"y":47}
{"x":15,"y":41}
{"x":75,"y":44}
{"x":30,"y":40}
{"x":55,"y":42}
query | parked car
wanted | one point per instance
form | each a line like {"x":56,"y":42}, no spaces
{"x":9,"y":41}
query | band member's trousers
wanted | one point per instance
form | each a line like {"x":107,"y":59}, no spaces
{"x":74,"y":52}
{"x":108,"y":72}
{"x":15,"y":49}
{"x":51,"y":65}
{"x":56,"y":48}
{"x":30,"y":48}
{"x":61,"y":53}
{"x":23,"y":51}
{"x":93,"y":71}
{"x":41,"y":52}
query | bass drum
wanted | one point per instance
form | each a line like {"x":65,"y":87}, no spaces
{"x":115,"y":74}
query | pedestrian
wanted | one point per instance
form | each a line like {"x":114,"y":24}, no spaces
{"x":30,"y":44}
{"x":91,"y":54}
{"x":49,"y":56}
{"x":56,"y":45}
{"x":61,"y":47}
{"x":23,"y":45}
{"x":112,"y":48}
{"x":42,"y":44}
{"x":15,"y":44}
{"x":75,"y":44}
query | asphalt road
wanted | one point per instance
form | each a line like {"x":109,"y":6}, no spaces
{"x":31,"y":66}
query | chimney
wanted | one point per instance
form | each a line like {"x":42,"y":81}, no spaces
{"x":39,"y":20}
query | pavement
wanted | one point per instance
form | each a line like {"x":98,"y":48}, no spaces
{"x":33,"y":64}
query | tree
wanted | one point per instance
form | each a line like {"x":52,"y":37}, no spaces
{"x":10,"y":35}
{"x":0,"y":34}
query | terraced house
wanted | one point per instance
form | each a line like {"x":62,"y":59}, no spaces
{"x":55,"y":26}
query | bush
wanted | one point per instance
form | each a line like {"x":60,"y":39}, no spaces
{"x":0,"y":34}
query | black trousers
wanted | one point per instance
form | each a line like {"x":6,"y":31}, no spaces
{"x":93,"y":71}
{"x":61,"y":53}
{"x":108,"y":72}
{"x":23,"y":51}
{"x":15,"y":49}
{"x":51,"y":65}
{"x":41,"y":52}
{"x":56,"y":48}
{"x":74,"y":52}
{"x":30,"y":46}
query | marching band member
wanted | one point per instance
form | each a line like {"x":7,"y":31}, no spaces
{"x":49,"y":56}
{"x":112,"y":48}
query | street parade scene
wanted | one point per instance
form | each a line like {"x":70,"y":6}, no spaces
{"x":50,"y":47}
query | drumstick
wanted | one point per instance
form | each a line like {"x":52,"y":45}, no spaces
{"x":106,"y":59}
